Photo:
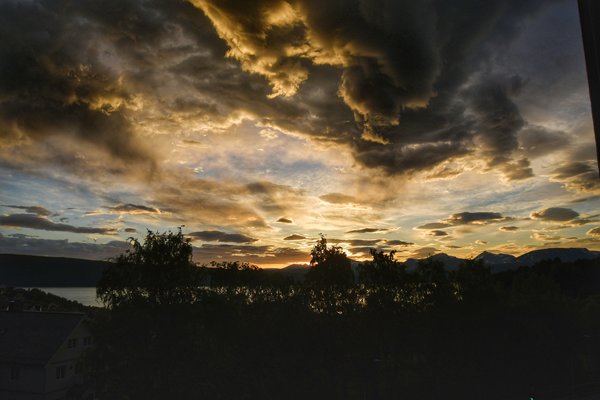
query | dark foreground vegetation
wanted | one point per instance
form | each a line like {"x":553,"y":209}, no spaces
{"x":425,"y":334}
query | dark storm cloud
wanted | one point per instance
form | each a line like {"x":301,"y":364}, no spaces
{"x":410,"y":74}
{"x":284,"y":220}
{"x":61,"y":248}
{"x":41,"y":211}
{"x":38,"y":222}
{"x":421,"y":92}
{"x":368,"y":230}
{"x":555,"y":214}
{"x":294,"y":237}
{"x":218,"y":236}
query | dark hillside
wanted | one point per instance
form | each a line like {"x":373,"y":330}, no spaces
{"x":36,"y":271}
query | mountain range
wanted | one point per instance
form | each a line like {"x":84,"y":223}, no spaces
{"x":36,"y":271}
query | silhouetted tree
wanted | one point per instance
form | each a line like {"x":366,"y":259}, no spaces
{"x":330,"y":266}
{"x":383,"y":270}
{"x":158,"y":271}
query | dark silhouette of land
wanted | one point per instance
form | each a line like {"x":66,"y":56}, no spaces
{"x":172,"y":329}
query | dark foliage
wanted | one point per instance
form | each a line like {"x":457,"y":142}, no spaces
{"x":428,"y":334}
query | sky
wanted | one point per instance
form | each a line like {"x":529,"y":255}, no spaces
{"x":416,"y":126}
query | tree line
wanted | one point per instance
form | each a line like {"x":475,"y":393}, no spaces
{"x":230,"y":330}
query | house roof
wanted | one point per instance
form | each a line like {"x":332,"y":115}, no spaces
{"x":34,"y":337}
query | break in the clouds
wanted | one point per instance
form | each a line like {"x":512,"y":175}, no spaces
{"x":249,"y":121}
{"x":33,"y":221}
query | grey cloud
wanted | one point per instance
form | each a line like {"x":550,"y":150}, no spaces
{"x":38,"y":222}
{"x":218,"y":236}
{"x":579,"y":176}
{"x":555,"y":214}
{"x":438,"y":233}
{"x":134,"y":208}
{"x":130,"y":230}
{"x":294,"y":237}
{"x":537,"y":141}
{"x":465,"y":218}
{"x":61,"y":248}
{"x":509,"y":228}
{"x":41,"y":211}
{"x":434,"y":225}
{"x":398,"y":243}
{"x":594,"y":232}
{"x":284,"y":220}
{"x":368,"y":230}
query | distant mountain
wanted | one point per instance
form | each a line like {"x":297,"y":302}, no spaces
{"x":295,"y":267}
{"x":564,"y":255}
{"x":452,"y":263}
{"x":498,"y":262}
{"x":35,"y":271}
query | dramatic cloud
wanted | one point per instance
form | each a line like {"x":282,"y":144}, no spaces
{"x":240,"y":118}
{"x":555,"y":214}
{"x":38,"y":222}
{"x":218,"y":236}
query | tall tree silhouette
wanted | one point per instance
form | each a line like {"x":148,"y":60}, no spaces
{"x":159,"y":270}
{"x":330,"y":266}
